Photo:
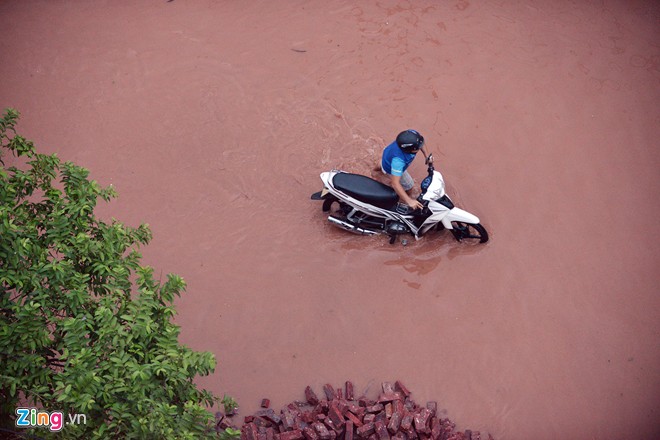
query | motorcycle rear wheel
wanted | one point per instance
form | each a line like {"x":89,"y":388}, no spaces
{"x":469,"y":231}
{"x":327,"y":203}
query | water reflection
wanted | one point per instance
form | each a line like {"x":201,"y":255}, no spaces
{"x":419,"y":257}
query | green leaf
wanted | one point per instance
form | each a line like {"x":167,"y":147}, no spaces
{"x":85,"y":326}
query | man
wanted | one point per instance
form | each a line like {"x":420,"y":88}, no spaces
{"x":397,"y":157}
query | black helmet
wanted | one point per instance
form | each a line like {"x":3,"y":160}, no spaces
{"x":410,"y":141}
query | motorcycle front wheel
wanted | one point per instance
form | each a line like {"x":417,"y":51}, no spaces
{"x":469,"y":231}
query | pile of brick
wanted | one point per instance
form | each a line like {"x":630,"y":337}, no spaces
{"x":341,"y":416}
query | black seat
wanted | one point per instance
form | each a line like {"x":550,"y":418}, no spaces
{"x":366,"y":189}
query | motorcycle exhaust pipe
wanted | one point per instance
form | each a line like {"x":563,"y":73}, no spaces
{"x":351,"y":227}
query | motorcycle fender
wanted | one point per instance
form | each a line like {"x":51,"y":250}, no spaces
{"x":325,"y":177}
{"x":320,"y":195}
{"x":458,"y":215}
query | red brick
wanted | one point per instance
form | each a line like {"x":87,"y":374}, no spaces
{"x":410,"y":405}
{"x":311,"y":397}
{"x":251,"y":431}
{"x":348,"y":431}
{"x":292,"y":435}
{"x":335,"y":415}
{"x":363,"y":401}
{"x":411,"y":434}
{"x":381,"y":417}
{"x":295,"y":409}
{"x":288,"y":420}
{"x":395,"y":422}
{"x":366,"y":430}
{"x":261,"y":422}
{"x":387,"y":387}
{"x":381,"y":431}
{"x":389,"y":397}
{"x":446,"y":431}
{"x":436,"y":428}
{"x":349,"y":390}
{"x":398,"y":386}
{"x":375,"y":408}
{"x":310,"y":434}
{"x":322,"y":430}
{"x":353,"y":419}
{"x":331,"y":425}
{"x":270,"y":415}
{"x":406,"y":422}
{"x":309,"y":417}
{"x":394,"y":416}
{"x":329,"y":391}
{"x":422,"y":421}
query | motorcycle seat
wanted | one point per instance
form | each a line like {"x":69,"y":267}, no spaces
{"x":366,"y":189}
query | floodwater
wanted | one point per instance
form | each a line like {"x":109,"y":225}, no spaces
{"x":213,"y":119}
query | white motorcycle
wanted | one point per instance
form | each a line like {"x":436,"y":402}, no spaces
{"x":368,"y":207}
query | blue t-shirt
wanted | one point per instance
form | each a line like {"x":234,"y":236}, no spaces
{"x":395,"y":160}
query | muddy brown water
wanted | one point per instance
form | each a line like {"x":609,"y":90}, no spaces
{"x":213,"y":119}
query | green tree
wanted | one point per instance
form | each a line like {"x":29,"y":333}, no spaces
{"x":84,"y":327}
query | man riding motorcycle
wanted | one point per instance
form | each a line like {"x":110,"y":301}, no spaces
{"x":397,"y":157}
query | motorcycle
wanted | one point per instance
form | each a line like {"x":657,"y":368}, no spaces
{"x":369,"y":207}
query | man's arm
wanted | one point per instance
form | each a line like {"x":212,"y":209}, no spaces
{"x":403,"y":195}
{"x":429,"y":158}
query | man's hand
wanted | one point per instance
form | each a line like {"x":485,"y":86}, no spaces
{"x":414,"y":204}
{"x":429,"y":159}
{"x":403,"y":195}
